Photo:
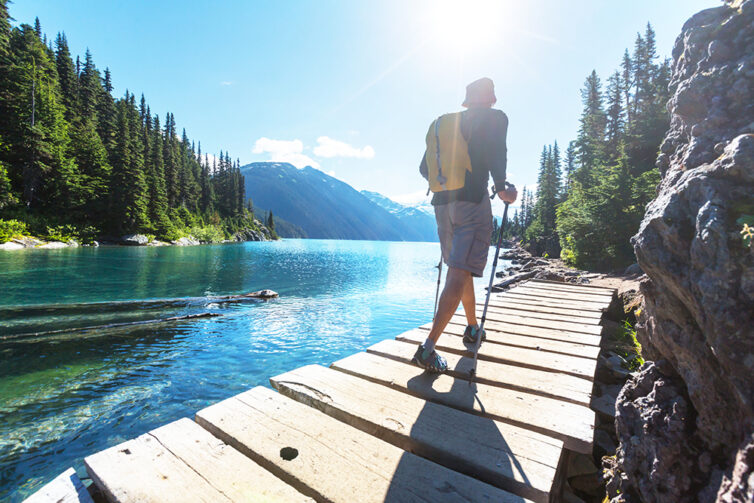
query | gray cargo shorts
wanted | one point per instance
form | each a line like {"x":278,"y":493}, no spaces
{"x":465,"y":229}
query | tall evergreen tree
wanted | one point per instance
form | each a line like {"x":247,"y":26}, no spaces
{"x":569,"y":167}
{"x":615,"y":116}
{"x":68,"y":78}
{"x":591,"y":138}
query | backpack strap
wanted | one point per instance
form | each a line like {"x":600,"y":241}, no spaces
{"x":440,"y":178}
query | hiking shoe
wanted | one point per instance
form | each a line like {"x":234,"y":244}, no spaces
{"x":432,"y":363}
{"x":471,"y":334}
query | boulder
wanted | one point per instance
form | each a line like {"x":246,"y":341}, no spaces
{"x":250,"y":235}
{"x":683,"y":429}
{"x":28,"y":242}
{"x":186,"y":241}
{"x":72,"y":243}
{"x":134,"y":240}
{"x":53,"y":245}
{"x":10,"y":245}
{"x":156,"y":242}
{"x":633,"y":270}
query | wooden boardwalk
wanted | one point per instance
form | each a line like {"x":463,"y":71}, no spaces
{"x":374,"y":427}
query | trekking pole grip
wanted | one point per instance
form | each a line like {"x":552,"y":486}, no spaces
{"x":508,"y":186}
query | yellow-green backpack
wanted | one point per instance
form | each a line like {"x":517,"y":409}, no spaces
{"x":447,"y":153}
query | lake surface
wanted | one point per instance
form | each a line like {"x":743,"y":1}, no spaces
{"x":67,"y":394}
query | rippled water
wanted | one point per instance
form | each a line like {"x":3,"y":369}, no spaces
{"x":68,"y":394}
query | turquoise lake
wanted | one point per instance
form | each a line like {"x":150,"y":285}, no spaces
{"x":68,"y":394}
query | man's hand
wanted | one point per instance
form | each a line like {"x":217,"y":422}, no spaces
{"x":509,"y":195}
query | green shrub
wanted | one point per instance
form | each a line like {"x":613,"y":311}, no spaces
{"x":207,"y":233}
{"x":62,"y":233}
{"x":10,"y":229}
{"x":632,"y":348}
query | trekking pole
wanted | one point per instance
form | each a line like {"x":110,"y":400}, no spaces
{"x":437,"y":293}
{"x":478,"y":343}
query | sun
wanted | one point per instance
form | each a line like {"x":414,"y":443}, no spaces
{"x":468,"y":25}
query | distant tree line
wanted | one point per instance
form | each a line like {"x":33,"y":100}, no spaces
{"x":71,"y":153}
{"x":590,"y":201}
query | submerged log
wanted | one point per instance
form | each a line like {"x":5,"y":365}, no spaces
{"x":28,"y":335}
{"x":26,"y":311}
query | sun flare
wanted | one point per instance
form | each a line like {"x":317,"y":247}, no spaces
{"x":464,"y":26}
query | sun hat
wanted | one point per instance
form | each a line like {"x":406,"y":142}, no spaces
{"x":480,"y":92}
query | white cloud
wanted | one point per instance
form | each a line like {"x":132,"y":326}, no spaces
{"x":329,"y":147}
{"x":290,"y":151}
{"x":331,"y":173}
{"x":226,"y":83}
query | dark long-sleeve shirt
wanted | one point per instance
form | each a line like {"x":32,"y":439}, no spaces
{"x":485,"y":130}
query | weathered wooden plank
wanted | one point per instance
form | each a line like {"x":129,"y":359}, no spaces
{"x":543,"y":309}
{"x":601,"y":294}
{"x":65,"y":488}
{"x":497,"y":332}
{"x":546,"y":301}
{"x":457,"y":326}
{"x":530,"y":358}
{"x":511,"y":458}
{"x":330,"y":460}
{"x":143,"y":470}
{"x":529,"y":321}
{"x":567,"y":296}
{"x":503,"y":310}
{"x":226,"y":469}
{"x":580,"y":285}
{"x":550,"y":384}
{"x":573,"y":424}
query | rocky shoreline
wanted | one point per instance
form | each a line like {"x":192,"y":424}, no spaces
{"x":524,"y":265}
{"x":29,"y":242}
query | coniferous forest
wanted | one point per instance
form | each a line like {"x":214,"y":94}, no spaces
{"x":591,"y":198}
{"x":78,"y":163}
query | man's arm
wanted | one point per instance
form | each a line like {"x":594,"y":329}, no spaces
{"x":499,"y":158}
{"x":423,"y":167}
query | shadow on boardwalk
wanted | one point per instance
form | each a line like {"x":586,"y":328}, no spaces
{"x":475,"y":428}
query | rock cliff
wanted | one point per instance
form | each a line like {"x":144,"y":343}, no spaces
{"x":686,"y":421}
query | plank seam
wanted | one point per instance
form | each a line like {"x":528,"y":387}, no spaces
{"x":176,"y":456}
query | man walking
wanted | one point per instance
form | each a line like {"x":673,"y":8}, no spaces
{"x":462,"y":151}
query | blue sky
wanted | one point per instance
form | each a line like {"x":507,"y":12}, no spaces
{"x":351,"y":86}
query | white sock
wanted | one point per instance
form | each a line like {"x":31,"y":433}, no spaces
{"x":429,"y":346}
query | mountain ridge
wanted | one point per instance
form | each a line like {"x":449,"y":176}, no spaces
{"x":323,"y":206}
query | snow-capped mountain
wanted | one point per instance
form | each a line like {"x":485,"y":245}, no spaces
{"x":420,"y":217}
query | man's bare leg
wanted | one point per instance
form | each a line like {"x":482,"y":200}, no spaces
{"x":469,"y":302}
{"x":456,"y":283}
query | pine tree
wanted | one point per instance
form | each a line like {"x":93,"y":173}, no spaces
{"x":271,"y":222}
{"x":4,"y":30}
{"x":615,"y":125}
{"x":106,"y":113}
{"x":158,"y":199}
{"x":591,"y":137}
{"x":129,"y":185}
{"x":68,"y":77}
{"x":170,"y":162}
{"x":570,"y":167}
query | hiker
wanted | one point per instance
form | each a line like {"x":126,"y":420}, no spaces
{"x":463,"y":149}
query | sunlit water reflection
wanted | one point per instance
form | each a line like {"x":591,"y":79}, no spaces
{"x":66,"y":395}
